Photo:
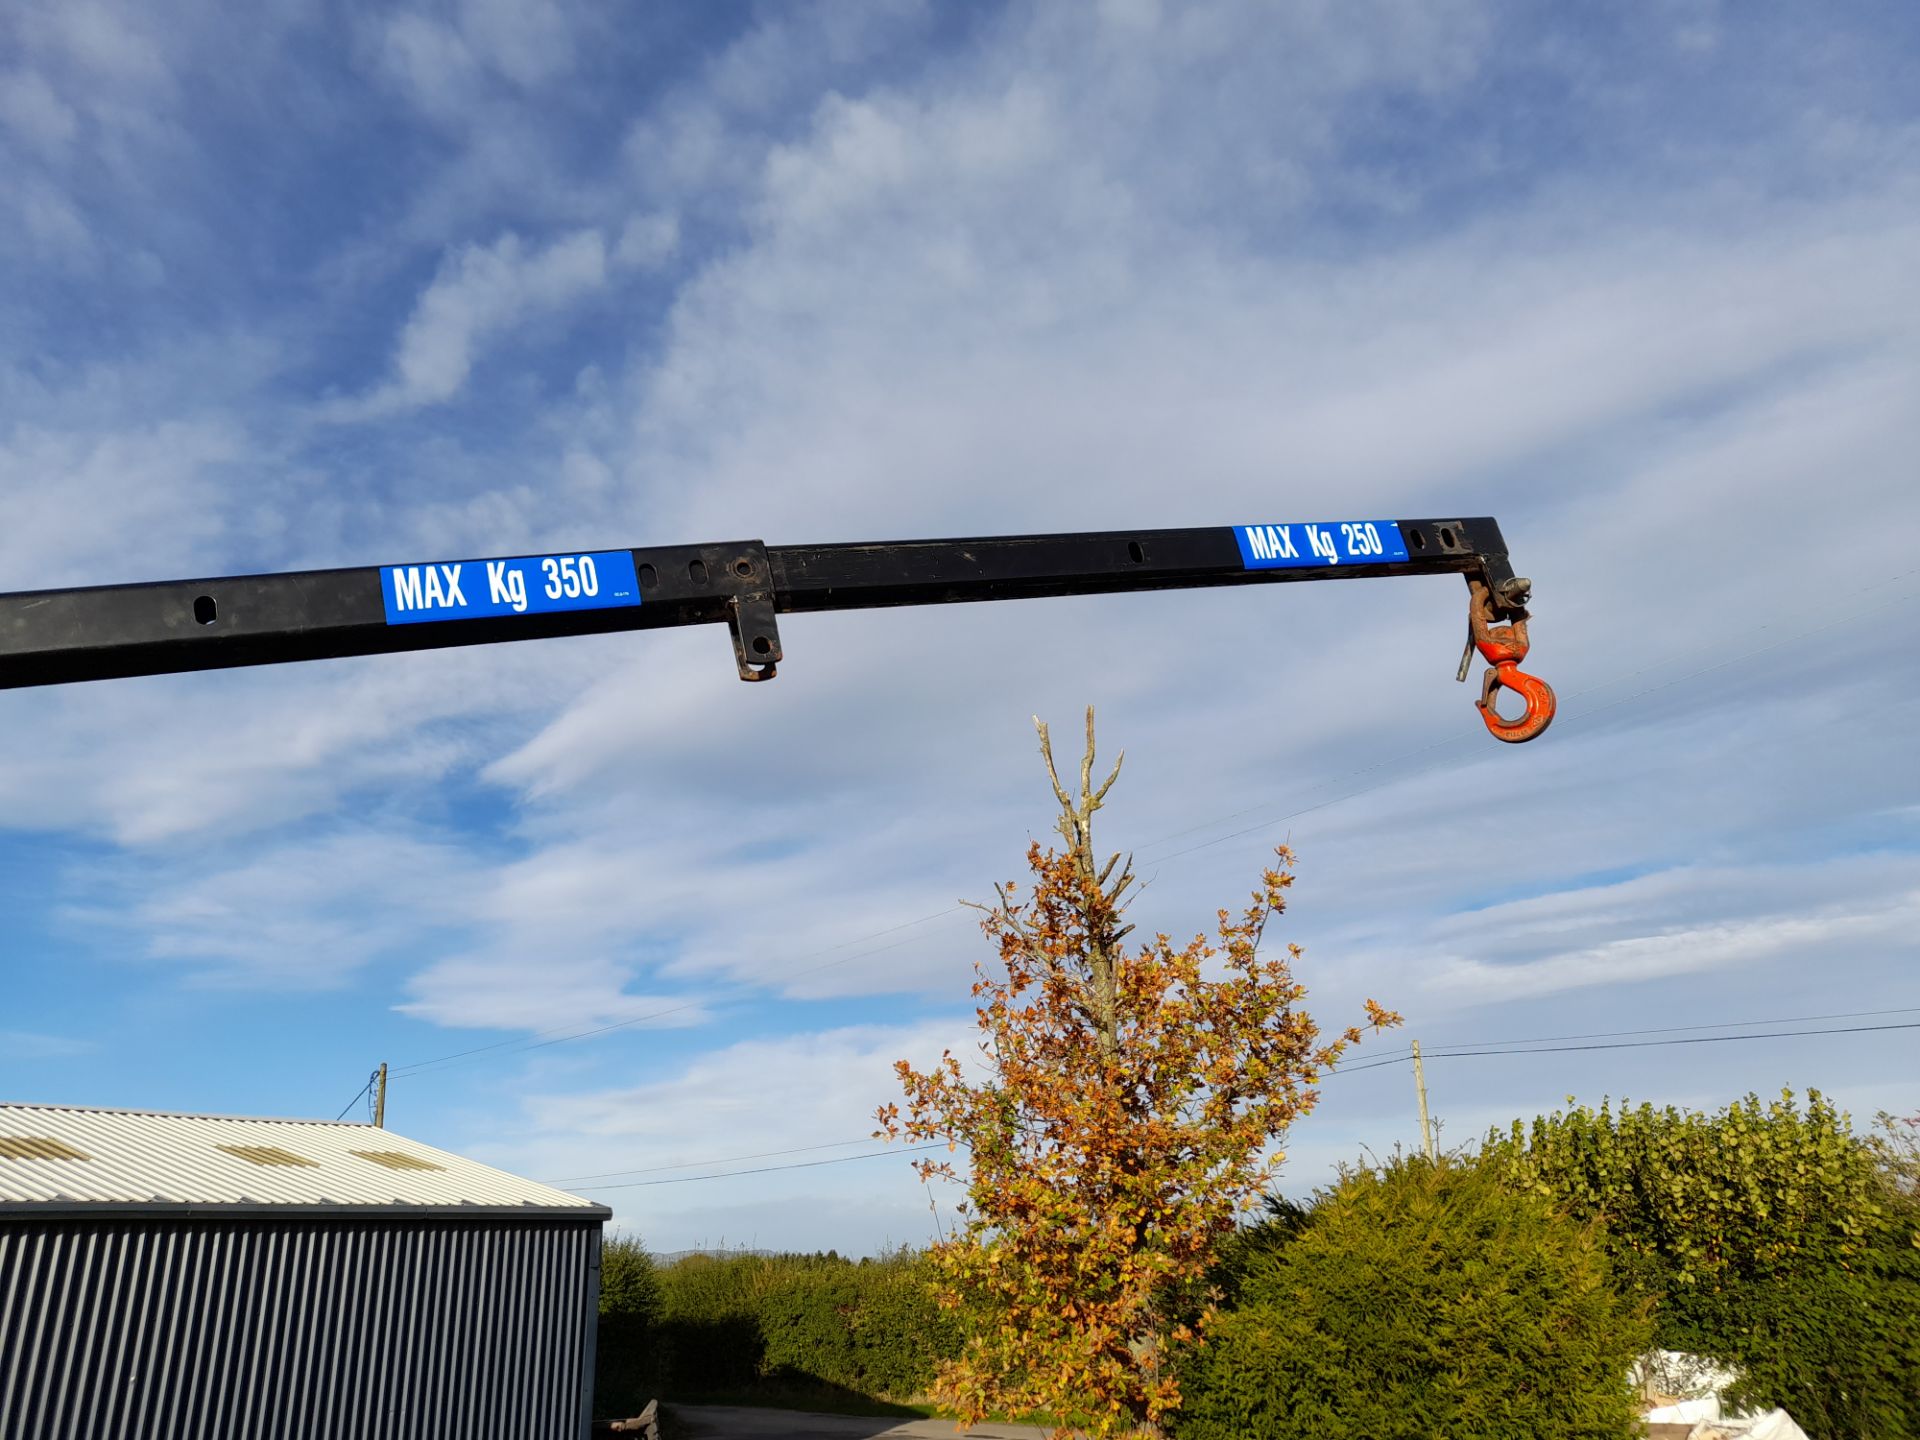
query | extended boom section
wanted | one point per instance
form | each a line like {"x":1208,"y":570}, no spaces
{"x":52,"y":637}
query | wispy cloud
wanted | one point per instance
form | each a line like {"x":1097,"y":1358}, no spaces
{"x":768,"y":1094}
{"x":824,"y":272}
{"x":440,"y":64}
{"x":30,"y":108}
{"x":480,"y":293}
{"x":301,"y":916}
{"x":1638,"y":959}
{"x":22,"y":1045}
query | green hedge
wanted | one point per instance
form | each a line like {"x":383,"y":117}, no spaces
{"x":1836,"y":1345}
{"x":629,"y":1280}
{"x":1767,"y":1236}
{"x":631,"y":1303}
{"x":782,"y":1326}
{"x":1503,"y":1296}
{"x":1418,"y":1300}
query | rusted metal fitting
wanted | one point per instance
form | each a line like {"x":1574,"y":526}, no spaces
{"x":1503,"y":647}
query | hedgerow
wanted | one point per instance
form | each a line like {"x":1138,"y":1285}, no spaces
{"x":1500,"y":1295}
{"x":1418,"y":1300}
{"x":1768,"y":1237}
{"x":786,"y":1325}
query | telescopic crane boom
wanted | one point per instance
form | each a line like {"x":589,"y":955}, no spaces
{"x":52,"y":637}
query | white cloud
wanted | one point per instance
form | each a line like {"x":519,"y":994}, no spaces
{"x":480,"y":293}
{"x":764,"y":1094}
{"x":151,"y":497}
{"x":446,"y":66}
{"x":30,"y":108}
{"x":540,"y":987}
{"x":530,"y":42}
{"x":108,"y":40}
{"x":58,"y":232}
{"x":301,"y":916}
{"x":1637,"y":959}
{"x":648,"y":241}
{"x":26,"y":1045}
{"x":702,"y":148}
{"x":431,"y":62}
{"x":1154,"y":265}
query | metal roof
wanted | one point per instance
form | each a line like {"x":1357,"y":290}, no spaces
{"x":67,"y":1157}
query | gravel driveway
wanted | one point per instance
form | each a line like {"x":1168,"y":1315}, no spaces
{"x":734,"y":1422}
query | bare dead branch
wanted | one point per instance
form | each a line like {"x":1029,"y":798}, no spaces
{"x":1086,"y":766}
{"x":1046,"y":749}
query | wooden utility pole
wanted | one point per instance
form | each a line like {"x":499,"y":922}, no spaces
{"x":380,"y":1095}
{"x":1419,"y":1084}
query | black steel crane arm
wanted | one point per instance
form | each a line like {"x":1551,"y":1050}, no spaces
{"x":51,"y":637}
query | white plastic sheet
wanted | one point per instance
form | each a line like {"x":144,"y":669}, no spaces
{"x":1774,"y":1425}
{"x":1697,"y":1383}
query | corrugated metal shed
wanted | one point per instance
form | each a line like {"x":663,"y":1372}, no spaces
{"x":51,"y":1153}
{"x":192,"y":1275}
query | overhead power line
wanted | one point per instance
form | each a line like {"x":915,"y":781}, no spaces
{"x":1682,"y":1040}
{"x":717,"y":1160}
{"x":1454,"y":1054}
{"x":1403,"y":1057}
{"x":766,"y":1169}
{"x":1342,"y":1070}
{"x":357,"y":1094}
{"x":563,"y":1035}
{"x":1704,"y":1025}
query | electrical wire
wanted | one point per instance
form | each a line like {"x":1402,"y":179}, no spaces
{"x":1446,"y":1053}
{"x":560,"y":1035}
{"x":715,"y":1160}
{"x":766,"y":1169}
{"x":357,"y":1094}
{"x":1341,"y":1070}
{"x":1684,"y":1040}
{"x":1703,"y":1025}
{"x":1402,"y":1057}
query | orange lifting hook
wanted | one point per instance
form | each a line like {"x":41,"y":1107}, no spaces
{"x":1504,"y":647}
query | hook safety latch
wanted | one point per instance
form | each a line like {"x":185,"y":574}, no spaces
{"x":1503,"y":647}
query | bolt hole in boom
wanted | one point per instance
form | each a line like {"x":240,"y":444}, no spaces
{"x":761,"y":645}
{"x":1416,"y":539}
{"x":1446,"y":537}
{"x":205,"y":611}
{"x":649,"y":577}
{"x":697,"y":571}
{"x":1135,"y":553}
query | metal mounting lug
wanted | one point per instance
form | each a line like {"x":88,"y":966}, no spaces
{"x":756,"y":634}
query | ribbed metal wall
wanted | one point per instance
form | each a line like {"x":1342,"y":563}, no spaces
{"x":350,"y":1329}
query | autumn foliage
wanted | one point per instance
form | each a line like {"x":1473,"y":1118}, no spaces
{"x":1125,"y":1112}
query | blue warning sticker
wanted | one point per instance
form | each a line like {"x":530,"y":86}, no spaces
{"x":1334,"y":542}
{"x":531,"y":585}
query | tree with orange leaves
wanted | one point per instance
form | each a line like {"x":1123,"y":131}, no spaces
{"x":1127,"y":1114}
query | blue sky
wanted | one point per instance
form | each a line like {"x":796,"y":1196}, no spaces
{"x":352,"y":284}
